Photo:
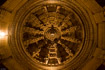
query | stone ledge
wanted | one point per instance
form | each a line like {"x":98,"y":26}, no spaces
{"x":12,"y":5}
{"x":101,"y":35}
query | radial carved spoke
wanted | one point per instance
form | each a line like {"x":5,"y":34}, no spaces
{"x":73,"y":40}
{"x":32,"y":31}
{"x":66,"y":19}
{"x":30,"y":41}
{"x":66,"y":49}
{"x":38,"y":19}
{"x":39,"y":28}
{"x":70,"y":30}
{"x":59,"y":19}
{"x":35,"y":54}
{"x":34,"y":19}
{"x":67,"y":23}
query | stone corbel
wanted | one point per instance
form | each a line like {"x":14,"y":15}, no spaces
{"x":99,"y":54}
{"x":99,"y":17}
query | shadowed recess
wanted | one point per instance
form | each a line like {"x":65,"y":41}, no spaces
{"x":2,"y":2}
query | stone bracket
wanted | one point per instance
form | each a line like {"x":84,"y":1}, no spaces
{"x":99,"y":17}
{"x":99,"y":53}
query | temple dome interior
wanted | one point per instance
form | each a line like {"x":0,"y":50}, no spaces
{"x":52,"y":35}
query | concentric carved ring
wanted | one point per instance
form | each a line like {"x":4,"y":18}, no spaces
{"x":52,"y":34}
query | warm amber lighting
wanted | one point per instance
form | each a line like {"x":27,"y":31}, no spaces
{"x":2,"y":34}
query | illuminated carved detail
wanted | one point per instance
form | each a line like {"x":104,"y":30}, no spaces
{"x":52,"y":36}
{"x":32,"y":31}
{"x":67,"y":50}
{"x":52,"y":55}
{"x":52,"y":33}
{"x":74,"y":40}
{"x":58,"y":7}
{"x":35,"y":40}
{"x":35,"y":54}
{"x":70,"y":30}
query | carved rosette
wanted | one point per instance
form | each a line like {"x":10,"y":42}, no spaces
{"x":49,"y":25}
